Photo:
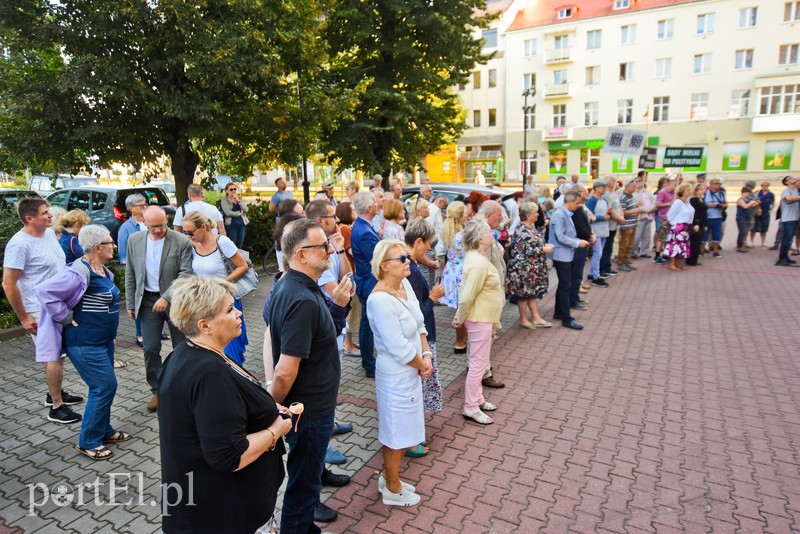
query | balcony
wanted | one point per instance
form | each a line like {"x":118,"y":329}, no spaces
{"x":558,"y":55}
{"x":557,"y":90}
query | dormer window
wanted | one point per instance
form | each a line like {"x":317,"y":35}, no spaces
{"x":565,"y":13}
{"x":622,"y":4}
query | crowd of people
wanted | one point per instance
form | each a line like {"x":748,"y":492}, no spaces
{"x":360,"y":277}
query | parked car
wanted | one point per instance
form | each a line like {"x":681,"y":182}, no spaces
{"x":456,"y":191}
{"x":169,"y":189}
{"x":44,"y":184}
{"x":10,"y":197}
{"x":106,"y":205}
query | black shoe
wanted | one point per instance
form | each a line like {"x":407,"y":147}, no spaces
{"x":612,"y":273}
{"x":63,"y":415}
{"x":164,"y":337}
{"x":580,"y":306}
{"x":605,"y":276}
{"x":329,"y":478}
{"x":573,"y":324}
{"x":557,"y":316}
{"x":783,"y":263}
{"x":324,"y":514}
{"x":599,"y":282}
{"x":369,"y":374}
{"x":66,"y":398}
{"x":590,"y":278}
{"x":790,"y":260}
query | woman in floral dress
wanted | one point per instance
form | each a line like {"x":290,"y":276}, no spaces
{"x":527,"y":267}
{"x":451,"y":276}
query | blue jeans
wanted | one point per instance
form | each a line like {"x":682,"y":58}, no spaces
{"x":788,"y":228}
{"x":235,"y":234}
{"x":366,"y":340}
{"x":304,"y":466}
{"x":578,"y":266}
{"x":95,"y":364}
{"x":594,"y":267}
{"x":608,"y":249}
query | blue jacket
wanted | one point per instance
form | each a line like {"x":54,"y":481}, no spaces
{"x":563,"y":235}
{"x":363,"y":240}
{"x":69,"y":244}
{"x":127,"y":229}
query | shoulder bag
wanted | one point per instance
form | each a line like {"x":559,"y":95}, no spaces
{"x":248,"y":282}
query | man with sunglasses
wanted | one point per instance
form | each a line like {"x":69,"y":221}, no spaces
{"x":155,"y":259}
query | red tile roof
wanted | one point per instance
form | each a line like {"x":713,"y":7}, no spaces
{"x":545,"y":12}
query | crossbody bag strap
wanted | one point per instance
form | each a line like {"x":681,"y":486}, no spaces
{"x":224,"y":258}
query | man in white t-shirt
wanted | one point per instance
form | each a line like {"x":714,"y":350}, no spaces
{"x":196,"y":203}
{"x":32,"y":256}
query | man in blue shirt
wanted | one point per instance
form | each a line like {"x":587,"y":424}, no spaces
{"x":280,"y":195}
{"x":363,"y":240}
{"x":565,"y":240}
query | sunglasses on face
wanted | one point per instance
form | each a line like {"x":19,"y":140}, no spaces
{"x":402,"y":259}
{"x":189,"y":233}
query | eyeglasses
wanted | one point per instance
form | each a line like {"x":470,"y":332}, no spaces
{"x":143,"y":204}
{"x":106,"y":243}
{"x":402,"y":259}
{"x":189,"y":233}
{"x":156,"y":226}
{"x":324,"y":245}
{"x":327,"y":217}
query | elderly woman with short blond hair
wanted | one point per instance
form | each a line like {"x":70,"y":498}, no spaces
{"x":403,"y":359}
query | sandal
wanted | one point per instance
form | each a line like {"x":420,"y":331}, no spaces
{"x":459,"y":350}
{"x":417,"y":452}
{"x":542,"y":324}
{"x":529,"y":326}
{"x":120,"y":364}
{"x":98,"y":453}
{"x":488,"y":406}
{"x":117,"y":437}
{"x":478,"y":416}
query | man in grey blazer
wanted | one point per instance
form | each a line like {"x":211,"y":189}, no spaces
{"x":155,"y":259}
{"x":565,"y":240}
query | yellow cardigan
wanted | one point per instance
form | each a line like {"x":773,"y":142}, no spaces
{"x":480,"y":297}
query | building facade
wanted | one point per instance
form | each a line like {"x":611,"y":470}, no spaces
{"x":722,"y":75}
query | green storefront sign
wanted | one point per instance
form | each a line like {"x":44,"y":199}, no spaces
{"x":590,"y":143}
{"x":685,"y":157}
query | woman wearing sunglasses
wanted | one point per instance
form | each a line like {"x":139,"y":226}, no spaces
{"x":235,"y":213}
{"x":208,"y":250}
{"x":480,"y":303}
{"x":403,"y":359}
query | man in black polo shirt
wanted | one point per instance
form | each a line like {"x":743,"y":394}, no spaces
{"x":583,"y":227}
{"x":307,"y":367}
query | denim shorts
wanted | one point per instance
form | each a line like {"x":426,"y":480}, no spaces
{"x":715,"y":229}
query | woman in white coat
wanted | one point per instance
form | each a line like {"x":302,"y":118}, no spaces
{"x":403,"y":359}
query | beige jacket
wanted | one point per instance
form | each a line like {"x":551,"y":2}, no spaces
{"x":480,"y":297}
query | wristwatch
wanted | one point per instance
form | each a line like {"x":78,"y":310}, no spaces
{"x":339,"y":251}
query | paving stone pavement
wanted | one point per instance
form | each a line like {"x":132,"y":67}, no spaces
{"x":676,"y":409}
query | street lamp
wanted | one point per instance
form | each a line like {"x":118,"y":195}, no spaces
{"x":529,"y":92}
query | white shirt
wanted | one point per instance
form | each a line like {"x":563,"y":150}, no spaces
{"x":203,"y":207}
{"x":212,"y":264}
{"x":38,"y":258}
{"x":152,"y":264}
{"x":397,"y":326}
{"x":680,"y":212}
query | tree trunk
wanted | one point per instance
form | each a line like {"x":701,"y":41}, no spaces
{"x":184,"y":164}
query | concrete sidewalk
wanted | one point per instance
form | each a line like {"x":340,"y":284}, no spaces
{"x":676,"y":409}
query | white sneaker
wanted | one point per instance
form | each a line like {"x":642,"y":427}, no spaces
{"x":382,"y":485}
{"x":404,"y":498}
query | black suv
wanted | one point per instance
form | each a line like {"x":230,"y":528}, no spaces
{"x":106,"y":205}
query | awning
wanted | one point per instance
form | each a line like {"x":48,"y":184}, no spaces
{"x":481,"y":155}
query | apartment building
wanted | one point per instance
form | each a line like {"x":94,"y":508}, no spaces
{"x":718,"y":74}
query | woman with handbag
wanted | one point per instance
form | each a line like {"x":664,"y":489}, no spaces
{"x":209,"y":252}
{"x":235,"y":213}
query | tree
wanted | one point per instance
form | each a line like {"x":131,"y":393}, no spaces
{"x":406,"y":56}
{"x":129,"y":80}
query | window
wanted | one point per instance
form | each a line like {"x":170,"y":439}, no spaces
{"x":628,"y":34}
{"x":593,"y":75}
{"x":58,"y":199}
{"x":99,"y":200}
{"x":787,"y":54}
{"x":476,"y":118}
{"x":664,"y":67}
{"x":661,"y":109}
{"x":565,"y":13}
{"x":561,"y":41}
{"x":702,"y":63}
{"x":740,"y":103}
{"x":559,"y":77}
{"x":593,"y":39}
{"x":747,"y":17}
{"x":559,"y":115}
{"x":476,"y":79}
{"x":79,"y":200}
{"x":666,"y":29}
{"x":780,"y":99}
{"x":744,"y":59}
{"x":622,"y":4}
{"x":528,"y":81}
{"x":699,"y":109}
{"x":705,"y":23}
{"x":492,"y":77}
{"x":529,"y":118}
{"x":791,"y":12}
{"x":625,"y":111}
{"x":489,"y":38}
{"x":530,"y":47}
{"x":591,"y":110}
{"x":462,"y":86}
{"x":492,"y":117}
{"x":625,"y":72}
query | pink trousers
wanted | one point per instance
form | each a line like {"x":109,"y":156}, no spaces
{"x":480,"y":347}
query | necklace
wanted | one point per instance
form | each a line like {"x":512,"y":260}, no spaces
{"x":233,"y":366}
{"x":98,"y":271}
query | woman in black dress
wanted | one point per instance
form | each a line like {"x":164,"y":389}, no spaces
{"x":220,"y":431}
{"x":700,"y":218}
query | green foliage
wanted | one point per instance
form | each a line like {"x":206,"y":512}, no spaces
{"x":404,"y":57}
{"x":258,"y":234}
{"x":9,"y":225}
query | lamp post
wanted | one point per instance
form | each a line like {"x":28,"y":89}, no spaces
{"x":530,"y":91}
